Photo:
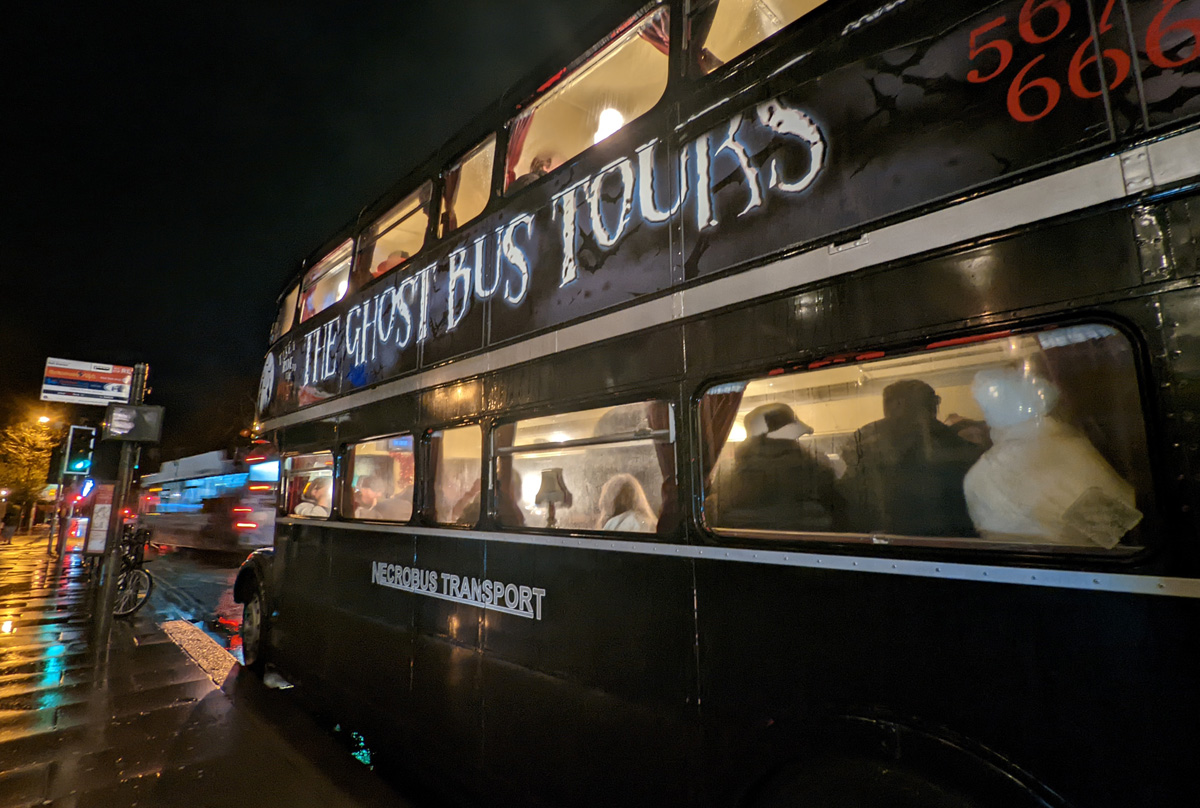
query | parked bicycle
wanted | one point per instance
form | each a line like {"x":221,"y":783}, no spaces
{"x":133,"y":582}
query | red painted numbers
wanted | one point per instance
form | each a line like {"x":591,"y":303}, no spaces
{"x":1032,"y":97}
{"x":1157,"y":30}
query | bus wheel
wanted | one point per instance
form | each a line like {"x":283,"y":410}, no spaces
{"x":254,"y":631}
{"x":858,"y":783}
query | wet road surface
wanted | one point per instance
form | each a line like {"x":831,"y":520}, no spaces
{"x":139,"y":723}
{"x":197,"y":587}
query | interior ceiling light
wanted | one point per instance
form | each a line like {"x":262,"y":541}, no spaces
{"x":610,"y":121}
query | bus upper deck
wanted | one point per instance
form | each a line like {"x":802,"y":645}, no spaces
{"x":826,"y":141}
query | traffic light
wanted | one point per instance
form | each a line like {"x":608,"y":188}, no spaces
{"x":79,"y":450}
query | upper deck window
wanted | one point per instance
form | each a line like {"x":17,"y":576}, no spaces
{"x":1027,"y":441}
{"x":287,"y":314}
{"x":721,"y":30}
{"x":598,"y":469}
{"x":468,"y":185}
{"x":326,"y":283}
{"x":400,"y":233}
{"x":617,"y":84}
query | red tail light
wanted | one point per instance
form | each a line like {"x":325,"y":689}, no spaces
{"x":245,"y":525}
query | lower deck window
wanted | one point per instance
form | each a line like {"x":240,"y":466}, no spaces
{"x":308,"y":486}
{"x":379,"y":477}
{"x":457,"y":459}
{"x":1033,"y":440}
{"x":599,"y":469}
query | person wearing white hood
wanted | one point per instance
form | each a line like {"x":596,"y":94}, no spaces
{"x":1042,"y":481}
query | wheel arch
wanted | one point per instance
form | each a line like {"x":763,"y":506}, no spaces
{"x":254,"y":574}
{"x":972,"y":773}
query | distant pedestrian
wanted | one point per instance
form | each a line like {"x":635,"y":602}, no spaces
{"x":9,"y":528}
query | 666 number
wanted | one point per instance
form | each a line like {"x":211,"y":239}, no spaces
{"x":1040,"y":21}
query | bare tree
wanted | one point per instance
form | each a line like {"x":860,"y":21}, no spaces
{"x":24,"y":460}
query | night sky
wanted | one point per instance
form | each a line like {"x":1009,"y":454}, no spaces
{"x":167,"y":166}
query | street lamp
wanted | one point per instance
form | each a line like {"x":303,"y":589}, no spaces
{"x":43,"y":419}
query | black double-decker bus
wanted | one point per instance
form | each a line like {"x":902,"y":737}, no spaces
{"x":783,"y":403}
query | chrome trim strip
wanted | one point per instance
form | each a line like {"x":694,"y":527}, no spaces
{"x":1024,"y":576}
{"x":1172,"y":159}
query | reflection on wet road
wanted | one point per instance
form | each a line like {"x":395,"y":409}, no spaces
{"x":197,"y":587}
{"x":136,"y":722}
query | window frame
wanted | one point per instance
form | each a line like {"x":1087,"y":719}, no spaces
{"x":286,"y":475}
{"x":1148,"y":530}
{"x":457,"y":163}
{"x":759,"y":48}
{"x":368,"y":238}
{"x":293,"y":291}
{"x":349,"y":245}
{"x":648,"y":397}
{"x":566,"y":74}
{"x":346,"y":481}
{"x":426,"y":481}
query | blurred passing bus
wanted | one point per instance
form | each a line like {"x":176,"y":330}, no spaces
{"x":211,"y":502}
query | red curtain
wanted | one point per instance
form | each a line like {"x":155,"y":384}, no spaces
{"x":518,"y":131}
{"x":657,"y":32}
{"x":718,"y":411}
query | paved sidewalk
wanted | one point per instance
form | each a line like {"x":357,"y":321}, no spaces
{"x":142,"y":724}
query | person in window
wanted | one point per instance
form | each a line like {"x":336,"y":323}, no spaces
{"x":541,"y":165}
{"x":1042,"y":480}
{"x":316,"y":499}
{"x":394,"y":259}
{"x":775,"y":483}
{"x":466,"y":510}
{"x":623,"y":506}
{"x":370,"y":492}
{"x":904,"y":472}
{"x":396,"y":508}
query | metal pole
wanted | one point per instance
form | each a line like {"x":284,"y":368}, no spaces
{"x":116,"y":521}
{"x":52,"y":546}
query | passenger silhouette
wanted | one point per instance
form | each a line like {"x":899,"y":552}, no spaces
{"x":777,"y":484}
{"x":904,"y":472}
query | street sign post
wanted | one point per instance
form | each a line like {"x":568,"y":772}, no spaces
{"x":86,"y":382}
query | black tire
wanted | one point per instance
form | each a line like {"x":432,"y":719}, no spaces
{"x":133,"y":590}
{"x":255,"y":628}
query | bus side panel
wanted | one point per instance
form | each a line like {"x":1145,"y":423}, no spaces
{"x":371,"y":652}
{"x":1092,"y":693}
{"x":446,"y":698}
{"x":299,"y":630}
{"x":589,"y":701}
{"x":846,"y":143}
{"x":1065,"y":262}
